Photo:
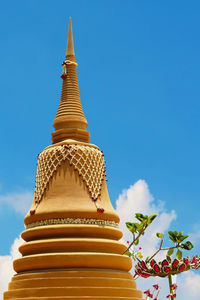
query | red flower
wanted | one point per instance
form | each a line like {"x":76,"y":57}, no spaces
{"x":167,"y":269}
{"x":127,"y":242}
{"x":194,"y":260}
{"x":101,"y":210}
{"x":140,"y":248}
{"x":182,"y":267}
{"x":186,"y":261}
{"x":165,"y":262}
{"x":32,"y":212}
{"x":156,"y":286}
{"x":175,"y":263}
{"x":63,"y":76}
{"x":147,"y":292}
{"x":152,"y":263}
{"x":150,"y":295}
{"x":173,"y":286}
{"x":156,"y":268}
{"x":143,"y":265}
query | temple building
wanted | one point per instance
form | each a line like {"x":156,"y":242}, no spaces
{"x":72,"y":247}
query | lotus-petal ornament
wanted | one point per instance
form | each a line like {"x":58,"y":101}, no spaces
{"x":166,"y":267}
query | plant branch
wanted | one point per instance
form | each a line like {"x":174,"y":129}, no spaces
{"x":170,"y":286}
{"x":162,"y":249}
{"x":139,"y":235}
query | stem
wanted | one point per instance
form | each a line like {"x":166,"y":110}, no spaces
{"x":153,"y":291}
{"x":157,"y":294}
{"x":162,"y":249}
{"x":170,"y":248}
{"x":139,"y":235}
{"x":170,"y":283}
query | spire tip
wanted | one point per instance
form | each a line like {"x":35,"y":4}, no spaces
{"x":70,"y":42}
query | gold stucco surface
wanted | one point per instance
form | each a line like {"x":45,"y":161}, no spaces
{"x":81,"y":259}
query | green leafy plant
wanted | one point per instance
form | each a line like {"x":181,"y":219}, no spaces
{"x":174,"y":263}
{"x":176,"y":238}
{"x":138,"y":229}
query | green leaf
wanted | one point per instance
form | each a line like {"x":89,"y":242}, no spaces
{"x":139,"y":216}
{"x":170,"y":252}
{"x":173,"y":235}
{"x":136,"y":242}
{"x":180,"y":237}
{"x":160,"y":235}
{"x":128,"y":253}
{"x":183,"y":237}
{"x":145,"y":220}
{"x":179,"y":254}
{"x":139,"y":254}
{"x":180,"y":234}
{"x":131,"y":226}
{"x":139,"y":226}
{"x":151,"y":218}
{"x":147,"y":259}
{"x":187,"y":246}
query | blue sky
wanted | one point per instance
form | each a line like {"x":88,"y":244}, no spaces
{"x":138,"y":71}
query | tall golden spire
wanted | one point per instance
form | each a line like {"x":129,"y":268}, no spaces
{"x":70,"y":121}
{"x":72,"y":248}
{"x":70,"y":42}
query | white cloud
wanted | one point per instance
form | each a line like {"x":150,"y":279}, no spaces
{"x":138,"y":199}
{"x":195,"y":235}
{"x":6,"y":266}
{"x":189,"y":285}
{"x":20,"y":202}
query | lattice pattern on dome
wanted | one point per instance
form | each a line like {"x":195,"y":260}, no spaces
{"x":87,"y":161}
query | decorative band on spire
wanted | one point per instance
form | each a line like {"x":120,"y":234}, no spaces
{"x":73,"y":221}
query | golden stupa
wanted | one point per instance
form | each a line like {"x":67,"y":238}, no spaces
{"x":72,"y":249}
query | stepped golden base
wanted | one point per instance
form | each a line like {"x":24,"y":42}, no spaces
{"x":76,"y":284}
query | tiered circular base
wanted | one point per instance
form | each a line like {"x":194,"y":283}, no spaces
{"x":74,"y":262}
{"x":74,"y":284}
